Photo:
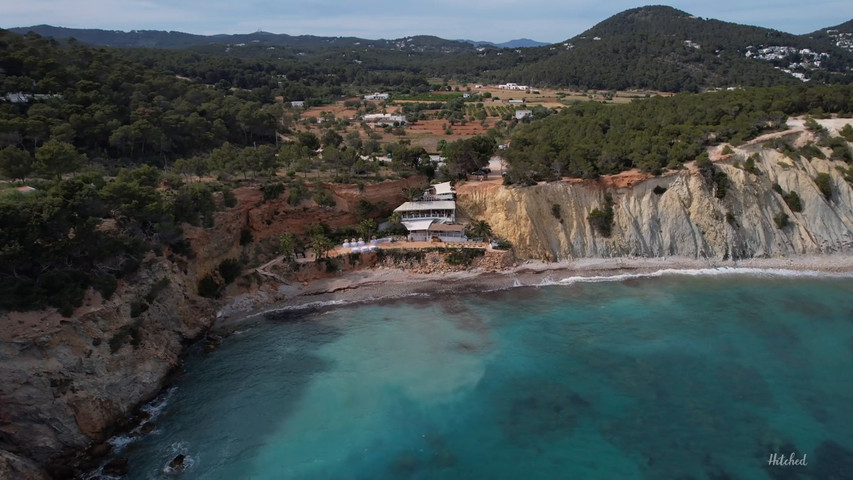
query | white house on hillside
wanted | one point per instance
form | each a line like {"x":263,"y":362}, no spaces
{"x":513,"y":86}
{"x":440,"y":191}
{"x":377,"y":96}
{"x":382,"y":119}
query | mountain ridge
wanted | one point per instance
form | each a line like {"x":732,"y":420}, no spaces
{"x":178,"y":39}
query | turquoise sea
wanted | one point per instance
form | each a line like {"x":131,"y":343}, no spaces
{"x":675,"y":376}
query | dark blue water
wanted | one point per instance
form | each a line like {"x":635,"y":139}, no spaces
{"x":679,"y":376}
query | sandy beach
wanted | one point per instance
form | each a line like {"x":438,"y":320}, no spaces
{"x":382,"y":283}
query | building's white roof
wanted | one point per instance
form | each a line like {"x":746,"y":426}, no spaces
{"x":418,"y":225}
{"x":420,"y":206}
{"x":442,"y":188}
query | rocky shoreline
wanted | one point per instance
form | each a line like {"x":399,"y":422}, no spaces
{"x":384,"y":283}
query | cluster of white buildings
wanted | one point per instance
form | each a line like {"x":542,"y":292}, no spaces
{"x":513,"y":86}
{"x":377,"y":96}
{"x":808,"y":59}
{"x":383,"y":119}
{"x":21,"y":97}
{"x":842,"y":39}
{"x":808,"y":56}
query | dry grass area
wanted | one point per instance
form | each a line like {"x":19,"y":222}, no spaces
{"x":440,"y":127}
{"x":428,"y":133}
{"x":338,"y":110}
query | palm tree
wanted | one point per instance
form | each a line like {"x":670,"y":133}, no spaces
{"x":480,"y":229}
{"x":321,"y":245}
{"x":411,"y":193}
{"x":287,"y":246}
{"x":366,"y":228}
{"x":396,"y":218}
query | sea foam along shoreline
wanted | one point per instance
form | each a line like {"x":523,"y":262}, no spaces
{"x":380,"y":284}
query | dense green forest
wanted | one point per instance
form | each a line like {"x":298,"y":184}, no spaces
{"x":658,"y":133}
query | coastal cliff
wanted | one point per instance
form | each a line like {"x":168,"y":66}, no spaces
{"x":67,"y":384}
{"x":679,"y":213}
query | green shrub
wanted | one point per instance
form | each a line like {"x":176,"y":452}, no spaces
{"x":332,"y":265}
{"x":324,"y":198}
{"x":230,"y":269}
{"x":793,"y":200}
{"x":781,"y":220}
{"x":502,"y":244}
{"x":464,"y":256}
{"x":721,"y":181}
{"x":209,"y":287}
{"x":749,"y":164}
{"x":245,"y":236}
{"x":228,"y":198}
{"x":106,"y":284}
{"x":811,"y":151}
{"x":824,"y":184}
{"x":555,"y":211}
{"x":847,"y":132}
{"x":272,"y":191}
{"x":659,"y":190}
{"x":129,"y":332}
{"x":601,"y":220}
{"x":137,"y":308}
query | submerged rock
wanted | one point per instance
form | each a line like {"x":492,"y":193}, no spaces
{"x":118,"y":466}
{"x":177,"y":462}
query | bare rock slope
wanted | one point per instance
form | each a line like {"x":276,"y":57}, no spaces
{"x":678,"y":214}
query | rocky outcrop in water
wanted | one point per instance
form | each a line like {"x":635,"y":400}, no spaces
{"x":677,"y":213}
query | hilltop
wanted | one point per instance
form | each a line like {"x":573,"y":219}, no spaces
{"x":180,"y":40}
{"x":664,"y":48}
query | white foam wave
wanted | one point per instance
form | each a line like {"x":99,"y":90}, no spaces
{"x":698,"y":272}
{"x":119,"y":442}
{"x":155,"y":407}
{"x":338,"y":303}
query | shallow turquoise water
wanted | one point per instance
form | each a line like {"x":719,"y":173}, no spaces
{"x":678,"y":376}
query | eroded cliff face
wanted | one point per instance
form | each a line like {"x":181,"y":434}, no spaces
{"x":66,"y":383}
{"x":684,"y":220}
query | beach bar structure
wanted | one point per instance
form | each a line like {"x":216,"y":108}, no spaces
{"x":432,"y":230}
{"x":447,"y":232}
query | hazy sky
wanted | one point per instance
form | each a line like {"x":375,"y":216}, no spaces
{"x":491,"y":20}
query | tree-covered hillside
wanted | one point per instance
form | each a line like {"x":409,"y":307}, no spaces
{"x":667,"y":49}
{"x":659,"y":133}
{"x":122,"y":152}
{"x":172,"y":40}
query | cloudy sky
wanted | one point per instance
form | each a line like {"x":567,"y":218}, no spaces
{"x":491,"y":20}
